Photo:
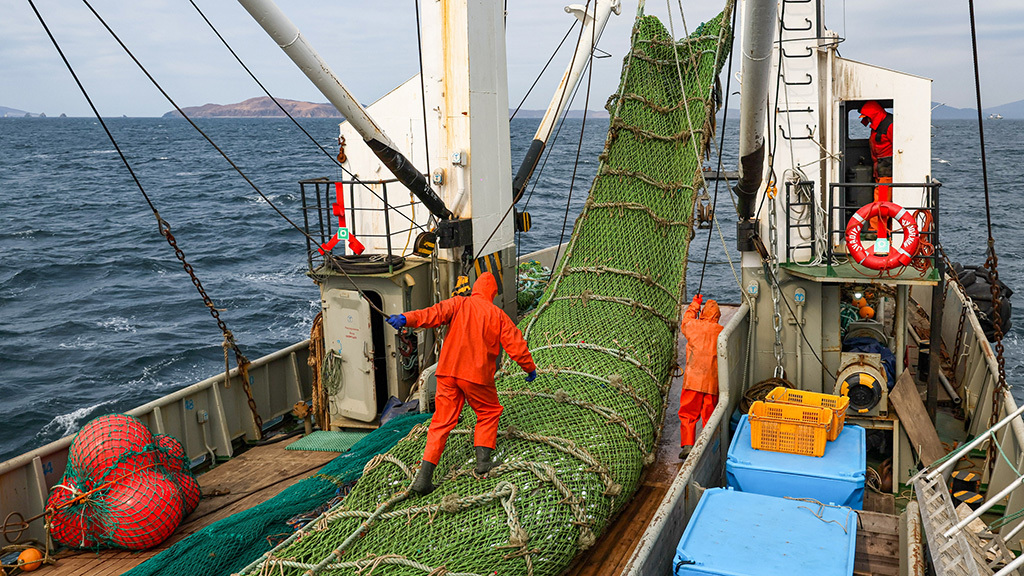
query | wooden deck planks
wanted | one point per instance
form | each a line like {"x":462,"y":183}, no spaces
{"x":254,"y":477}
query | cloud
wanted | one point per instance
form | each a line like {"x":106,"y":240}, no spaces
{"x":372,"y":46}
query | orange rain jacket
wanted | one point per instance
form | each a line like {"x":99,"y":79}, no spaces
{"x":478,"y":330}
{"x":701,"y":347}
{"x":881,"y":130}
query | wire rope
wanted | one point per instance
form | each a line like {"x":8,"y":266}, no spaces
{"x":296,"y":122}
{"x":544,"y":69}
{"x":721,"y":145}
{"x":583,"y":129}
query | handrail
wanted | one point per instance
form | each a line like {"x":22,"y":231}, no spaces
{"x":57,"y":445}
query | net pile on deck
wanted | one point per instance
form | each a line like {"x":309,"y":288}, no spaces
{"x":574,"y":441}
{"x":123,"y":487}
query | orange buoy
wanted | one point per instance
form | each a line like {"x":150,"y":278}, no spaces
{"x":30,"y":559}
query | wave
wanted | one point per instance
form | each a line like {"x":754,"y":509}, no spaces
{"x":68,"y":423}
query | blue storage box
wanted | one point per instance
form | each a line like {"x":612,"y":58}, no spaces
{"x":835,"y":478}
{"x":742,"y":534}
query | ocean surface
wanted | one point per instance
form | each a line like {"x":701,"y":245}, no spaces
{"x":97,"y":316}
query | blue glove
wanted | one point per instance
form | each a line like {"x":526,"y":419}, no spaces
{"x":531,"y":376}
{"x":396,"y":321}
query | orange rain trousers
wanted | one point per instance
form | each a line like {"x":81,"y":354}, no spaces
{"x":700,"y":381}
{"x":693,"y":406}
{"x":478,"y":331}
{"x":452,"y":393}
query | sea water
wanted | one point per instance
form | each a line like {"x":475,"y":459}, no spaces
{"x":97,"y":316}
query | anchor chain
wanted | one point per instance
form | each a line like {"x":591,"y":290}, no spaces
{"x":773,"y":264}
{"x":229,"y":338}
{"x":992,"y":265}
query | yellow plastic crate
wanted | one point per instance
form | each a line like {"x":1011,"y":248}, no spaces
{"x":838,"y":405}
{"x":789,"y":428}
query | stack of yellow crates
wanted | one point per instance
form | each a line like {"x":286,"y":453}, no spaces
{"x":796,"y":421}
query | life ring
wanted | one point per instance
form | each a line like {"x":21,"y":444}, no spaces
{"x":900,"y":255}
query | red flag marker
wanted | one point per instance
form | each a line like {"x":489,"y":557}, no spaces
{"x":355,"y":245}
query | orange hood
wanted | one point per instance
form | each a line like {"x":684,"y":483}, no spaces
{"x":874,"y":112}
{"x":486,"y":286}
{"x":711,"y":311}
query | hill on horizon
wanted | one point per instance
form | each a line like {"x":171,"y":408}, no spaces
{"x":259,"y":107}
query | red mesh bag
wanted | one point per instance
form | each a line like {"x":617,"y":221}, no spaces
{"x":189,"y":487}
{"x":104,"y":440}
{"x":171,"y":453}
{"x":72,"y":524}
{"x":143,"y":509}
{"x":137,"y":487}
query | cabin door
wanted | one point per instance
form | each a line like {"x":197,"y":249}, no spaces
{"x":349,"y":338}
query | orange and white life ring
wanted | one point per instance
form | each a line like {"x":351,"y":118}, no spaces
{"x":899,"y":255}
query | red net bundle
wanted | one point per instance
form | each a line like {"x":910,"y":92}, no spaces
{"x":123,"y":487}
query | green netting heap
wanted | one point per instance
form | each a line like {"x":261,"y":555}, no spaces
{"x":574,"y":441}
{"x":230,"y":544}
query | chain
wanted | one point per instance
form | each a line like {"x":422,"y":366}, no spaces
{"x":992,"y":265}
{"x":773,"y":242}
{"x":435,"y":273}
{"x":958,"y":344}
{"x":229,"y":338}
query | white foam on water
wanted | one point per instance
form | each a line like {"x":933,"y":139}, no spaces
{"x":79,"y":343}
{"x":118,"y":324}
{"x":68,"y":423}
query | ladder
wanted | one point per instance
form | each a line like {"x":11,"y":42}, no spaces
{"x":954,"y":549}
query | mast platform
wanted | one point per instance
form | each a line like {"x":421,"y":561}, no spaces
{"x":856,"y":274}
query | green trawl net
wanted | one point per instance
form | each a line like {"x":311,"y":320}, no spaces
{"x":229,"y":545}
{"x":574,"y":441}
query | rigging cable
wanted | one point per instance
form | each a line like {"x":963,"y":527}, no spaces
{"x":561,"y":98}
{"x":583,"y":128}
{"x":543,"y":70}
{"x":217,"y":148}
{"x":721,"y":144}
{"x":548,"y":151}
{"x":423,"y":91}
{"x":991,"y":260}
{"x":292,"y":118}
{"x":165,"y":230}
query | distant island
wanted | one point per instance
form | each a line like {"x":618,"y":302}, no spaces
{"x":263,"y":107}
{"x":260,"y":107}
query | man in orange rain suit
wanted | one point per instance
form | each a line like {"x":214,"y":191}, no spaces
{"x":478,"y":330}
{"x":700,"y":382}
{"x":872,"y":114}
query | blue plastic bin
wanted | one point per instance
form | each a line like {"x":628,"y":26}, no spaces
{"x":742,"y":534}
{"x":835,"y":478}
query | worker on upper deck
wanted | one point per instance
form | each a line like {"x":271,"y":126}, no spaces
{"x":478,"y":330}
{"x":700,"y":381}
{"x":872,"y":114}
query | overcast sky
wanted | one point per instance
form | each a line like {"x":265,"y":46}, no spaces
{"x":372,"y":47}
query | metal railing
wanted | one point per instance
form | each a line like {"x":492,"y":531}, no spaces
{"x":800,"y":216}
{"x":840,"y":212}
{"x":319,"y":197}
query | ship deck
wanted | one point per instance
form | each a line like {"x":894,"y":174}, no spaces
{"x":255,"y":476}
{"x":261,"y":472}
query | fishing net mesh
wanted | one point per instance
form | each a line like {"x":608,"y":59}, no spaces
{"x":573,"y":442}
{"x":228,"y":545}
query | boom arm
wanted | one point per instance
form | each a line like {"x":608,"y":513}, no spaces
{"x":288,"y":37}
{"x":593,"y":26}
